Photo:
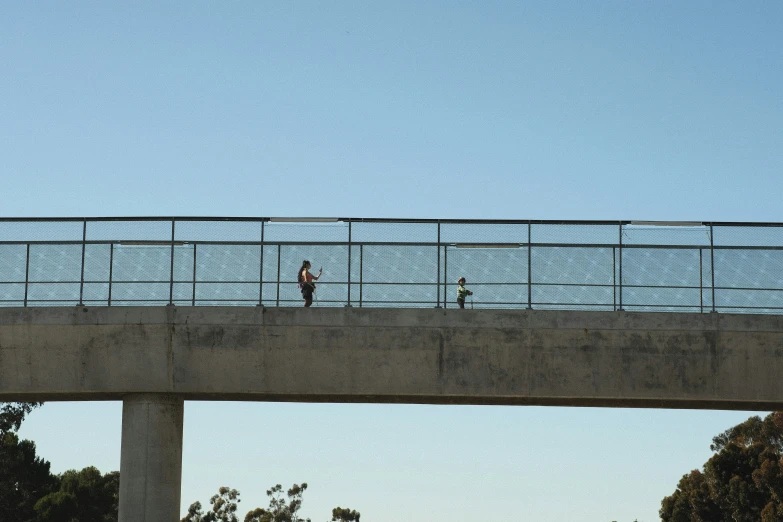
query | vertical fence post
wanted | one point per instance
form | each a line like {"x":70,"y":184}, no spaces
{"x":446,"y":276}
{"x":26,"y":274}
{"x":620,"y":276}
{"x":712,"y":265}
{"x":349,"y":262}
{"x":171,"y":273}
{"x":701,"y":281}
{"x":361,"y":274}
{"x":529,"y":266}
{"x":614,"y":279}
{"x":193,"y":290}
{"x":437,"y":303}
{"x":81,"y":279}
{"x":111,"y":269}
{"x":277,"y":302}
{"x":261,"y":268}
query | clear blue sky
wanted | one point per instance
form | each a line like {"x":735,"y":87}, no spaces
{"x":542,"y":110}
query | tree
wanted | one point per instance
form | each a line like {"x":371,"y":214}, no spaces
{"x":281,"y":508}
{"x":224,"y":507}
{"x":24,"y":478}
{"x":742,"y":481}
{"x":344,"y":515}
{"x":13,"y":413}
{"x":83,"y":496}
{"x":28,"y":490}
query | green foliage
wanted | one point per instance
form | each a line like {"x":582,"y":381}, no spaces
{"x":13,"y":413}
{"x":83,"y":496}
{"x":282,"y":508}
{"x":24,"y":478}
{"x":344,"y":515}
{"x":30,"y":493}
{"x":224,"y":507}
{"x":768,"y":432}
{"x":741,"y":482}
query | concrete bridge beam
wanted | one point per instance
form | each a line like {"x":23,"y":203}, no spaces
{"x":151,"y":458}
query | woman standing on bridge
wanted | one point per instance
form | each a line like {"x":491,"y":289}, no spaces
{"x":305,"y":279}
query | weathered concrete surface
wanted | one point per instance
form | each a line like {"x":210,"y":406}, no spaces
{"x":394,"y":355}
{"x":151,"y":458}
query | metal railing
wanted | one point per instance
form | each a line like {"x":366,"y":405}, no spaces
{"x":575,"y":265}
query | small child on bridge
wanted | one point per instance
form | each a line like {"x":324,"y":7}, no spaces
{"x":462,"y":292}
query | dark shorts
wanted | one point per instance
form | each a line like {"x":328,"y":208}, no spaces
{"x":307,"y":292}
{"x":461,"y":303}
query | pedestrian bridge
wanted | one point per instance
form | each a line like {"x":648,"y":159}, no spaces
{"x":156,"y":311}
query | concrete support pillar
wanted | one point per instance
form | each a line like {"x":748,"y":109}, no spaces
{"x":151,"y":458}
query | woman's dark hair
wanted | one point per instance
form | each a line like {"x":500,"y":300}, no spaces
{"x":299,"y":278}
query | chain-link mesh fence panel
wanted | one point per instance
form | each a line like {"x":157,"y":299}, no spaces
{"x":695,"y":235}
{"x":750,"y":280}
{"x":580,"y":277}
{"x":771,"y":236}
{"x":136,"y":263}
{"x":128,"y":230}
{"x":13,"y":263}
{"x":31,"y":231}
{"x":140,"y":294}
{"x":184,"y":262}
{"x":400,"y":295}
{"x":228,"y":263}
{"x":305,"y":232}
{"x":97,"y":262}
{"x":496,"y":276}
{"x":55,"y":263}
{"x":53,"y":293}
{"x":483,"y":233}
{"x":223,"y":230}
{"x":269,"y":274}
{"x":662,"y":279}
{"x":572,"y":297}
{"x":661,"y":267}
{"x":182,"y":294}
{"x":394,"y":274}
{"x":400,"y":264}
{"x":224,"y":294}
{"x":749,"y":301}
{"x":397,"y":232}
{"x":96,"y":294}
{"x":639,"y":299}
{"x":572,"y":265}
{"x":12,"y":294}
{"x":487,"y":265}
{"x":575,"y":233}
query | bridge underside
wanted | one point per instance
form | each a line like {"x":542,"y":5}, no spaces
{"x":433,"y":356}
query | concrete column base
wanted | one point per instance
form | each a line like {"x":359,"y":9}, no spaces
{"x":151,"y":458}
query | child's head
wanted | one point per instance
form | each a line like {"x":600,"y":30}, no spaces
{"x":461,"y":281}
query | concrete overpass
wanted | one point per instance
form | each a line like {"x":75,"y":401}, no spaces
{"x":155,"y":358}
